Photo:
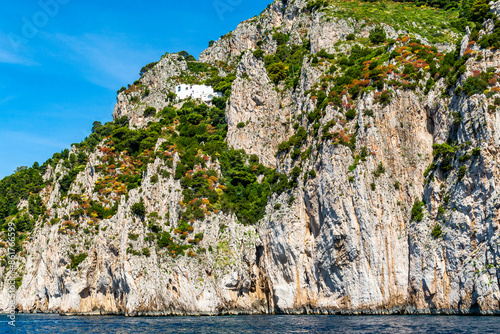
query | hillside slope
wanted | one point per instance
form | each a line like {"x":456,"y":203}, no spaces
{"x":351,"y":167}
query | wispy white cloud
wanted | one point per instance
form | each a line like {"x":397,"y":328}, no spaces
{"x":9,"y":56}
{"x":7,"y":99}
{"x":105,"y":60}
{"x":19,"y":137}
{"x":12,"y":58}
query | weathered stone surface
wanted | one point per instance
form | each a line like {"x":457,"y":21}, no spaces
{"x":256,"y":118}
{"x":324,"y":32}
{"x":341,"y":242}
{"x":279,"y":14}
{"x":157,"y":82}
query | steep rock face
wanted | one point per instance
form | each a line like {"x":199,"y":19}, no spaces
{"x":322,"y":30}
{"x":245,"y":37}
{"x":342,"y":245}
{"x":460,"y":271}
{"x":112,"y":281}
{"x":282,"y":14}
{"x":344,"y":240}
{"x":151,"y":91}
{"x":325,"y":33}
{"x":257,"y":121}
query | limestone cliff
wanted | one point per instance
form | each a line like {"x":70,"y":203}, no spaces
{"x":390,"y":165}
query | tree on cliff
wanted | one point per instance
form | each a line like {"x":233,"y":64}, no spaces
{"x":277,"y":72}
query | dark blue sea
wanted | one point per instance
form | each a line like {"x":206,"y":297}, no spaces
{"x":252,"y":324}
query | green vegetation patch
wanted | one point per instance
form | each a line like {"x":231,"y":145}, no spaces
{"x":417,"y":211}
{"x":76,"y":260}
{"x":432,"y":23}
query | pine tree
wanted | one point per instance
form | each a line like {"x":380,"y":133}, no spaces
{"x":479,"y":10}
{"x":465,"y":9}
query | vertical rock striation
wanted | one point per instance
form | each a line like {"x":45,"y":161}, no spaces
{"x":345,"y":239}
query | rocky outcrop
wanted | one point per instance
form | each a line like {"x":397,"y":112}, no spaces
{"x":344,"y":240}
{"x":341,"y":245}
{"x":256,"y":118}
{"x":113,"y":281}
{"x":459,"y":272}
{"x":324,"y":33}
{"x":279,"y":14}
{"x":150,"y":91}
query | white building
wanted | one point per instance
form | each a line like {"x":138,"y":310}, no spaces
{"x":202,"y":92}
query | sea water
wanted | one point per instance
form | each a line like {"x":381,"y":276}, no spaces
{"x":43,"y":323}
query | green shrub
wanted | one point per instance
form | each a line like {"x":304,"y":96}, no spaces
{"x":277,"y":206}
{"x":445,"y":4}
{"x":171,"y":96}
{"x":409,"y":69}
{"x":197,"y":67}
{"x":479,"y":10}
{"x":67,"y":180}
{"x":139,"y":209}
{"x":147,"y":68}
{"x":350,"y":37}
{"x":280,"y":38}
{"x":277,"y":72}
{"x":417,"y":211}
{"x":312,"y":174}
{"x":377,"y":35}
{"x":397,"y":185}
{"x":258,"y":53}
{"x":475,"y":85}
{"x":446,"y":153}
{"x":437,"y":231}
{"x":321,"y":99}
{"x":164,"y":240}
{"x":295,"y":153}
{"x":187,"y":56}
{"x":350,"y":114}
{"x":315,"y":5}
{"x":18,"y":281}
{"x":284,"y":147}
{"x":146,"y":251}
{"x":150,"y":111}
{"x":323,"y":54}
{"x":76,"y":260}
{"x":133,"y":236}
{"x":441,"y":211}
{"x":385,"y":97}
{"x":379,"y":170}
{"x":373,"y":186}
{"x":368,"y":113}
{"x":154,"y":228}
{"x":306,"y":154}
{"x":240,"y":125}
{"x":428,"y":85}
{"x":464,"y":158}
{"x":462,"y":171}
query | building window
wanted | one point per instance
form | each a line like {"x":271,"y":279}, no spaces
{"x":179,"y":89}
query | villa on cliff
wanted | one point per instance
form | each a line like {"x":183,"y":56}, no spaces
{"x":202,"y":92}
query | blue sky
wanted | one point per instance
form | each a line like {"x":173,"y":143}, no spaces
{"x":62,"y":61}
